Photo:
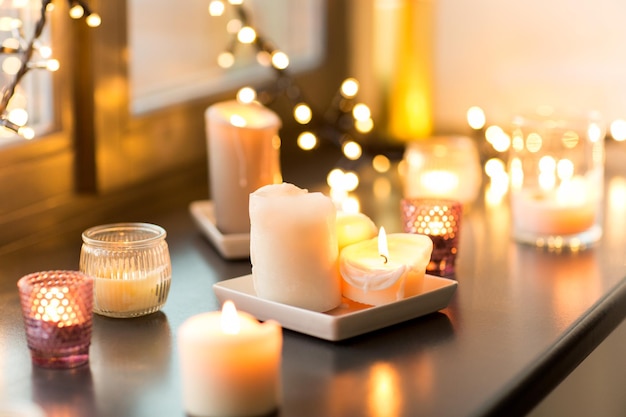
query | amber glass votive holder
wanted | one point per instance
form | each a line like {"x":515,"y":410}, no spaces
{"x":57,"y":308}
{"x":439,"y":219}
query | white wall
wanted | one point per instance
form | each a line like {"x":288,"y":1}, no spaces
{"x":511,"y":56}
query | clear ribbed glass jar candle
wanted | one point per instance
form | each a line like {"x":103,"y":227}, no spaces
{"x":131,"y":267}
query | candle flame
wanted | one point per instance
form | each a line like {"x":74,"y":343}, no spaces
{"x":54,"y":307}
{"x":383,"y":249}
{"x":437,"y":227}
{"x":230,"y":319}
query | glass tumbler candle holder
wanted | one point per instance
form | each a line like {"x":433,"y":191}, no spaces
{"x":131,"y":267}
{"x":57,"y":309}
{"x":440,"y":220}
{"x":443,"y":167}
{"x":556,"y":170}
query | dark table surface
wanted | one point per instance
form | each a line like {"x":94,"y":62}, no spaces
{"x":520,"y":321}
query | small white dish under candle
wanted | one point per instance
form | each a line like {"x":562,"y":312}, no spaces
{"x":230,"y":246}
{"x":348,"y":320}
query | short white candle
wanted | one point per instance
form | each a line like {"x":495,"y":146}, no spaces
{"x":230,"y":364}
{"x":293,"y":247}
{"x":243,"y":148}
{"x":385,"y":269}
{"x":566,"y":210}
{"x":354,"y":227}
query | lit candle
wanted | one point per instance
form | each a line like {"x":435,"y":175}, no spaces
{"x":127,"y":294}
{"x":57,"y":310}
{"x":230,"y":364}
{"x":243,"y":147}
{"x":566,"y":210}
{"x":385,"y":269}
{"x":446,"y":167}
{"x":556,"y":169}
{"x":353,"y":227}
{"x":441,"y":221}
{"x":131,"y":267}
{"x":293,"y":247}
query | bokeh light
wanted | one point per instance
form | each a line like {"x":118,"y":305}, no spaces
{"x":349,"y":88}
{"x":77,"y":11}
{"x":246,"y":95}
{"x":361,"y":112}
{"x":19,"y":116}
{"x":280,"y":60}
{"x":618,"y":130}
{"x":93,"y":20}
{"x":364,"y":126}
{"x":302,"y":113}
{"x":225,"y":59}
{"x":307,"y":141}
{"x":216,"y":8}
{"x":381,"y":163}
{"x":246,"y":35}
{"x":352,"y":150}
{"x":476,"y":117}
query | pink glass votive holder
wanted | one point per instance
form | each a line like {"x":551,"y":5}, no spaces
{"x":57,"y":308}
{"x":441,"y":221}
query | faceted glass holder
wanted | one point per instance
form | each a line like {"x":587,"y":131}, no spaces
{"x":441,"y":221}
{"x":57,"y":308}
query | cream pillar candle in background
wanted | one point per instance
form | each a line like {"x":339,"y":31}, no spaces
{"x":293,"y":247}
{"x":230,"y":364}
{"x":385,"y":269}
{"x":243,"y":153}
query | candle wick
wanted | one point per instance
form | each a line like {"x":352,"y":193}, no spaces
{"x":386,"y":260}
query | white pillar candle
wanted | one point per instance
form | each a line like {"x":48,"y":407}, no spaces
{"x":293,"y":247}
{"x":385,"y":269}
{"x":230,"y":364}
{"x":243,"y":148}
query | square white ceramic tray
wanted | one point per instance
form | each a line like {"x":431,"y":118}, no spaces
{"x":348,"y":320}
{"x":233,"y":246}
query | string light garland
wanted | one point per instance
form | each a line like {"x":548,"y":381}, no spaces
{"x":27,"y":54}
{"x":341,"y":124}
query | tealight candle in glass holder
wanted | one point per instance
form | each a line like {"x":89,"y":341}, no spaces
{"x":441,"y":221}
{"x":57,"y":310}
{"x":445,"y":167}
{"x":131,"y":267}
{"x":556,"y":170}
